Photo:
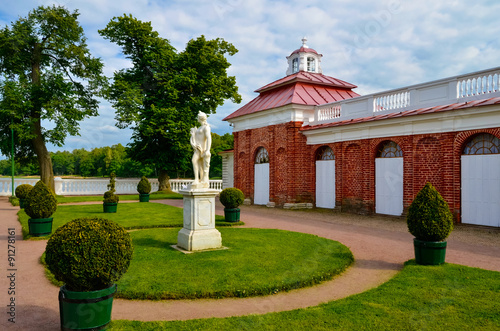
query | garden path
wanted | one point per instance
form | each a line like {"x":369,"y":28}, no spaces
{"x":380,"y":246}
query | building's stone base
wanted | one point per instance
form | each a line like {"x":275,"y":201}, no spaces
{"x":301,"y":205}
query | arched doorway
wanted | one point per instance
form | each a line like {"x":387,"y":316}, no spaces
{"x":481,"y":180}
{"x":325,"y":178}
{"x":261,"y":177}
{"x":389,"y":179}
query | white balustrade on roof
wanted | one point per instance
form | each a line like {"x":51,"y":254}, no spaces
{"x":474,"y":86}
{"x":78,"y":186}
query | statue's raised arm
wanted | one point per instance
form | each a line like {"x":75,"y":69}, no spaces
{"x":201,"y":141}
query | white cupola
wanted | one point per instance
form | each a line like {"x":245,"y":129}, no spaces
{"x":304,"y":59}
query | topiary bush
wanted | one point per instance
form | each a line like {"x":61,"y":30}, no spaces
{"x":40,"y":201}
{"x":144,"y":186}
{"x":89,"y":254}
{"x":110,"y":196}
{"x":429,"y":217}
{"x":23,"y":190}
{"x":231,"y":197}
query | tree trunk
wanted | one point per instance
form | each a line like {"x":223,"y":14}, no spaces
{"x":164,"y":181}
{"x":43,"y":155}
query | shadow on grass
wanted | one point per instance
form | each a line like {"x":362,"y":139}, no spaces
{"x":155,"y":243}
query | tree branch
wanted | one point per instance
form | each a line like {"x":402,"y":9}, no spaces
{"x":62,"y":66}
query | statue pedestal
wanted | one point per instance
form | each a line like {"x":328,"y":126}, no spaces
{"x":199,"y":231}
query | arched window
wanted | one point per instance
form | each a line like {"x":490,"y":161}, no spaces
{"x":390,"y":149}
{"x":295,"y":65}
{"x":325,"y":153}
{"x":311,"y":64}
{"x":483,"y":143}
{"x":262,"y":156}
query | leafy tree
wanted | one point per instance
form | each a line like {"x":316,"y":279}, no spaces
{"x":87,"y":167}
{"x":79,"y":155}
{"x":47,"y":74}
{"x":63,"y":163}
{"x":160,"y":96}
{"x":5,"y":167}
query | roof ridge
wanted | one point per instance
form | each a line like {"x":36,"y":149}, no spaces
{"x":308,"y":77}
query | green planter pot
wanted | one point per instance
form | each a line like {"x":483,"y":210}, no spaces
{"x":110,"y":207}
{"x":21,"y":203}
{"x":144,"y":197}
{"x":40,"y":226}
{"x":85,"y":310}
{"x":232,"y":214}
{"x":429,"y":252}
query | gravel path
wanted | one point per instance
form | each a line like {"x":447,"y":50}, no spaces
{"x":380,"y":246}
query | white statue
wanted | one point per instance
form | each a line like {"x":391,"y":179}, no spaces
{"x":201,"y":140}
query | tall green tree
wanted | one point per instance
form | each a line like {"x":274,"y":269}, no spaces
{"x":47,"y":74}
{"x":160,"y":96}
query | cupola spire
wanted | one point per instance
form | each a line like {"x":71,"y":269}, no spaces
{"x":304,"y":41}
{"x":304,"y":59}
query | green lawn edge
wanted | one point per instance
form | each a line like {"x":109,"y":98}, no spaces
{"x":446,"y":297}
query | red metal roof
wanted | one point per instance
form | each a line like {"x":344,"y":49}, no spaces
{"x":304,"y":50}
{"x":308,"y":77}
{"x":303,"y":88}
{"x":428,"y":110}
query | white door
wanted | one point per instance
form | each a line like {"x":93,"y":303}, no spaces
{"x":481,"y":189}
{"x":389,"y":186}
{"x":325,"y":184}
{"x":261,"y":182}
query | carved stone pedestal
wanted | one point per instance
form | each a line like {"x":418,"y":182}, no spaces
{"x":199,"y":231}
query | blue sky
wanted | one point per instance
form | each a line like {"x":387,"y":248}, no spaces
{"x":376,"y":45}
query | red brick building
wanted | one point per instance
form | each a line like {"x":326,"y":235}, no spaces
{"x":309,"y":140}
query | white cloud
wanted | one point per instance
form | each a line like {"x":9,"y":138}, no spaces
{"x":376,"y":45}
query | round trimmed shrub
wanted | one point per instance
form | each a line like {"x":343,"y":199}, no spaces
{"x":144,"y":186}
{"x":23,"y":190}
{"x":40,"y":201}
{"x":429,"y":217}
{"x":89,"y":254}
{"x":110,"y":196}
{"x":231,"y":197}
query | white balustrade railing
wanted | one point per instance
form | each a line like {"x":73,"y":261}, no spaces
{"x":481,"y":84}
{"x":180,"y":184}
{"x":391,"y":101}
{"x":477,"y":85}
{"x":328,"y":112}
{"x":6,"y":184}
{"x":78,"y":186}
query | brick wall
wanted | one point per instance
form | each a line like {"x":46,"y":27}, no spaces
{"x":428,"y":157}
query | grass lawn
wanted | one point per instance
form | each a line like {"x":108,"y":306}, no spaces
{"x":129,"y":215}
{"x":123,"y":197}
{"x":447,"y":297}
{"x":258,"y":262}
{"x":254,"y":264}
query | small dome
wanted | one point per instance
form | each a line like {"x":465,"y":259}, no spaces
{"x":304,"y":48}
